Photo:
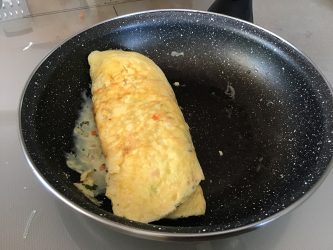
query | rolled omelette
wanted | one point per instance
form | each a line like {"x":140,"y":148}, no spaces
{"x":151,"y":161}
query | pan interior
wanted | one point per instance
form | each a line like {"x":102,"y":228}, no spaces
{"x":259,"y":113}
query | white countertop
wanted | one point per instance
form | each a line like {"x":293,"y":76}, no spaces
{"x":24,"y":42}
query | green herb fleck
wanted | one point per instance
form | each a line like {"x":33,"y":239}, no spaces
{"x":93,"y":187}
{"x":84,"y":123}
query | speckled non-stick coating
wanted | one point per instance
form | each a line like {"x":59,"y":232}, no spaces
{"x":274,"y":136}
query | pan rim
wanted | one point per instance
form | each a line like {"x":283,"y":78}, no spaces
{"x":164,"y":235}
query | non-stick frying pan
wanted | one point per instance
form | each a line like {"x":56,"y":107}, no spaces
{"x":260,"y":115}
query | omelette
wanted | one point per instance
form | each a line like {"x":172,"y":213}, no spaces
{"x":151,"y":168}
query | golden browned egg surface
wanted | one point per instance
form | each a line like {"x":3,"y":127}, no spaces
{"x":151,"y":161}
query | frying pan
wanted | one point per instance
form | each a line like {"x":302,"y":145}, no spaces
{"x":260,"y":115}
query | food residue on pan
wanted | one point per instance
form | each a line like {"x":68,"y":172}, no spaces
{"x":88,"y":159}
{"x":230,"y":91}
{"x":176,"y":54}
{"x":260,"y":165}
{"x":229,"y":110}
{"x":269,"y":103}
{"x":178,"y":84}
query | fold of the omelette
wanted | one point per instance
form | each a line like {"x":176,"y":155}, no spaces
{"x":152,"y":165}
